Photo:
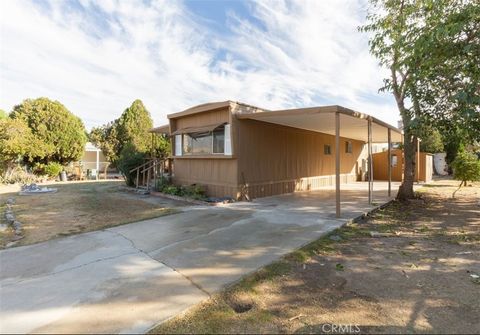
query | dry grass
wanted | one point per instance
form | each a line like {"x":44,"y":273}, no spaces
{"x":76,"y":208}
{"x":416,"y":281}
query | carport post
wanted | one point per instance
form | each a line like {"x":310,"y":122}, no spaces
{"x":417,"y":164}
{"x":97,"y":166}
{"x":337,"y":163}
{"x":389,"y":168}
{"x":370,"y":172}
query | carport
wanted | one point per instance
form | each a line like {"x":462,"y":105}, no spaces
{"x":339,"y":122}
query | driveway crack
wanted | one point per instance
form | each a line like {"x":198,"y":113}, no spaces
{"x":67,"y":269}
{"x":162,"y":262}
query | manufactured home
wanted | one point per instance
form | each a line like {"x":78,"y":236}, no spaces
{"x":241,"y":151}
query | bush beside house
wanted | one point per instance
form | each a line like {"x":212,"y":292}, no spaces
{"x":466,"y":167}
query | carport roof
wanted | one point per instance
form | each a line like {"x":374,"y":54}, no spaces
{"x":353,"y":124}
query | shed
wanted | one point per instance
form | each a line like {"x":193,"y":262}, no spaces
{"x":423,"y":173}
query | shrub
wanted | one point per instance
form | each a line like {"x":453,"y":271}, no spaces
{"x":161,"y":183}
{"x":171,"y":189}
{"x":21,"y":176}
{"x":193,"y":191}
{"x":466,"y":167}
{"x":51,"y":169}
{"x":129,"y":159}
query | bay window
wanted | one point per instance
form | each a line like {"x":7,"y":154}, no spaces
{"x":213,"y":142}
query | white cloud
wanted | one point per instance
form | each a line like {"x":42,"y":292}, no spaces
{"x":302,"y":54}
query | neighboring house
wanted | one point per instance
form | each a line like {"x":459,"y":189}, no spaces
{"x":92,"y":163}
{"x":242,"y":151}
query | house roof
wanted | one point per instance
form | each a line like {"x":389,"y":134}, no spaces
{"x":89,"y":146}
{"x":353,"y":124}
{"x":201,"y":108}
{"x":165,"y":129}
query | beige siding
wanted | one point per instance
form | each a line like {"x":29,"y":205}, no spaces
{"x":217,"y":174}
{"x":89,"y":160}
{"x":274,"y":159}
{"x":201,"y":119}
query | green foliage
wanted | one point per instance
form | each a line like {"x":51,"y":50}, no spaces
{"x":19,"y":175}
{"x":171,"y":189}
{"x":431,"y":140}
{"x":61,"y":132}
{"x":133,"y":127}
{"x":51,"y":169}
{"x":192,"y":191}
{"x":466,"y":167}
{"x":162,"y":146}
{"x":3,"y":114}
{"x":129,"y":159}
{"x":432,"y":52}
{"x":18,"y":142}
{"x":105,"y":137}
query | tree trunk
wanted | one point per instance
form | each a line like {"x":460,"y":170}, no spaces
{"x":405,"y":190}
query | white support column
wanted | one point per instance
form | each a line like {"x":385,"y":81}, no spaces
{"x":337,"y":164}
{"x":370,"y":165}
{"x":98,"y":164}
{"x":389,"y":162}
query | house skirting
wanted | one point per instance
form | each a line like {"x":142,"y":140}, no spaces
{"x":265,"y":189}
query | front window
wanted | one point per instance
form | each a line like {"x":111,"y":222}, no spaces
{"x":394,"y":161}
{"x":205,"y":143}
{"x":327,"y":149}
{"x":348,"y":147}
{"x":219,"y":140}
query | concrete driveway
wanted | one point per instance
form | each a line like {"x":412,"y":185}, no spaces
{"x":128,"y":278}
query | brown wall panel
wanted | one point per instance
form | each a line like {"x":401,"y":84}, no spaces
{"x":269,"y":152}
{"x":275,"y":159}
{"x":202,"y":119}
{"x":216,"y":174}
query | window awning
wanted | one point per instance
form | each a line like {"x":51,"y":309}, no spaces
{"x":202,"y":129}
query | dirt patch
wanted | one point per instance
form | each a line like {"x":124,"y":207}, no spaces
{"x":80,"y":207}
{"x":419,"y":279}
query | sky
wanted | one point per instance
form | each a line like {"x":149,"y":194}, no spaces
{"x":97,"y":57}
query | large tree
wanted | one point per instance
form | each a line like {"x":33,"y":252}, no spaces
{"x":105,"y":137}
{"x":133,"y":127}
{"x":17,"y":142}
{"x":130,"y":130}
{"x":61,"y":132}
{"x":427,"y":47}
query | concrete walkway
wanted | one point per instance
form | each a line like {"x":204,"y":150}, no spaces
{"x":126,"y":279}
